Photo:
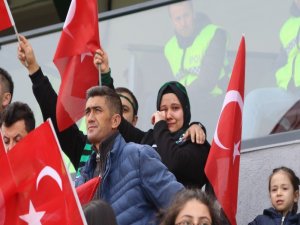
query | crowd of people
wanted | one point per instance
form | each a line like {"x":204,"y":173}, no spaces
{"x":152,"y":177}
{"x":147,"y":177}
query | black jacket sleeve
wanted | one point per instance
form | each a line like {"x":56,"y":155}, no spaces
{"x":127,"y":130}
{"x":72,"y":140}
{"x":130,"y":133}
{"x":186,"y":160}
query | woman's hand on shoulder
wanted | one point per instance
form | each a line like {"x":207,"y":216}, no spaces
{"x":195,"y":133}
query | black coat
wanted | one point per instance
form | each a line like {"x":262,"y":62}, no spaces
{"x":272,"y":217}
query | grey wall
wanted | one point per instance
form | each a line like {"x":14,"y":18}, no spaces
{"x":255,"y":167}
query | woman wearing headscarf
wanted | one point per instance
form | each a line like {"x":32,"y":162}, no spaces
{"x":184,"y":158}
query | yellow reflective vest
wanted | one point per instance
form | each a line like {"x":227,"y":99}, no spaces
{"x":290,"y":40}
{"x":187,"y":70}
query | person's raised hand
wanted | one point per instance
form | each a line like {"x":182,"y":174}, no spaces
{"x":26,"y":55}
{"x":101,"y":60}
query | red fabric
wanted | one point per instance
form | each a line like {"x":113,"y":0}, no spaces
{"x":74,"y":60}
{"x":44,"y":192}
{"x":222,"y":167}
{"x":87,"y":190}
{"x":7,"y":186}
{"x":4,"y":16}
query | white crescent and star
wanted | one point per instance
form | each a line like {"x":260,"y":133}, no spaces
{"x":33,"y":217}
{"x":69,"y":18}
{"x":83,"y":55}
{"x":70,"y":14}
{"x":231,"y":96}
{"x":49,"y":171}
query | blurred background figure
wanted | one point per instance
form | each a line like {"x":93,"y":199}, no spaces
{"x":197,"y":57}
{"x":276,"y":109}
{"x":6,"y":89}
{"x":288,"y":75}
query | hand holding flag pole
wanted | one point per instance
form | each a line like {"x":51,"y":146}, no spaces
{"x":101,"y":63}
{"x":99,"y":71}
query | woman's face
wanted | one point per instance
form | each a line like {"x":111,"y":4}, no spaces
{"x":128,"y":111}
{"x":194,"y":212}
{"x":173,"y":111}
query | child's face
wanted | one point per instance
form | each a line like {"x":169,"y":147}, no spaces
{"x":282,"y":193}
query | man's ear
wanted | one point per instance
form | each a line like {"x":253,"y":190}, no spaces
{"x":115,"y":121}
{"x":6,"y":99}
{"x":296,"y":196}
{"x":135,"y":119}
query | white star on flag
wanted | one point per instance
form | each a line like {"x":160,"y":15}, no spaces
{"x":236,"y":151}
{"x":33,"y":217}
{"x":83,"y":55}
{"x":69,"y":33}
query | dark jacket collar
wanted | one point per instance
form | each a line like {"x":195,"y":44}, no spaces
{"x":271,"y":212}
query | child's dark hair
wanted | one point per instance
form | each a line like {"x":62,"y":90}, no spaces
{"x":293,"y":178}
{"x":168,"y":216}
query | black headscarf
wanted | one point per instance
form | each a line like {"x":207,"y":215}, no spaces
{"x":179,"y":90}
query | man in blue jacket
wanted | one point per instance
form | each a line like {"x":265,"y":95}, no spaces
{"x":134,"y":180}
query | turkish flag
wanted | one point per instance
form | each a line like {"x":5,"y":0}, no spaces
{"x":87,"y":190}
{"x":5,"y":15}
{"x":7,"y":185}
{"x":74,"y":60}
{"x":222,"y":166}
{"x":44,"y":193}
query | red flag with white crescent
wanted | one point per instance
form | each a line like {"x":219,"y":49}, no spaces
{"x":44,"y":194}
{"x":74,"y":60}
{"x":222,"y":166}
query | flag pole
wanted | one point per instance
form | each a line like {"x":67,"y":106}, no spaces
{"x":14,"y":25}
{"x":12,"y":19}
{"x":99,"y":73}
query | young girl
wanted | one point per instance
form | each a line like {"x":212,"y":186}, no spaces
{"x":191,"y":206}
{"x":284,"y":194}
